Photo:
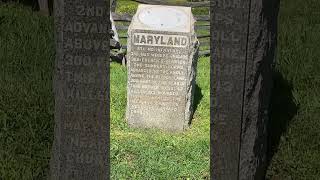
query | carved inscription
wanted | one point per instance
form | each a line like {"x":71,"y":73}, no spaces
{"x":81,"y":90}
{"x":157,"y":77}
{"x":229,"y":22}
{"x":81,"y":27}
{"x":90,"y":11}
{"x":86,"y":44}
{"x":83,"y":60}
{"x":159,"y":40}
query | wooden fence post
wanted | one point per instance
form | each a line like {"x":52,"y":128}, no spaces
{"x":113,"y":5}
{"x":243,"y":44}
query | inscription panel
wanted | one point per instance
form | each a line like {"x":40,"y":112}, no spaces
{"x":157,"y":79}
{"x":229,"y":23}
{"x":80,"y":148}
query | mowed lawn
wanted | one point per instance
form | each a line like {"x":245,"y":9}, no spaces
{"x":295,"y":112}
{"x":27,"y":105}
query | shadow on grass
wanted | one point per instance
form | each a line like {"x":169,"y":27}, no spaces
{"x":197,"y":98}
{"x":282,"y":110}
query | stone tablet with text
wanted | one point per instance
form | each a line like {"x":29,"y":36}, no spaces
{"x":81,"y":84}
{"x":162,"y":57}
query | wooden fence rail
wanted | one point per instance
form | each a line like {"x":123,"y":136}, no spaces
{"x":189,"y":4}
{"x":128,"y":17}
{"x":197,"y":27}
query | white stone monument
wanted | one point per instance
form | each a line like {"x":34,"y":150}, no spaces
{"x":162,"y":56}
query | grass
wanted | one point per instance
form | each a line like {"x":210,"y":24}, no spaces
{"x":295,"y":123}
{"x":26,"y":99}
{"x":26,"y":106}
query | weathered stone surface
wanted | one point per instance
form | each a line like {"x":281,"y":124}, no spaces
{"x":243,"y":45}
{"x":162,"y":58}
{"x":228,"y":54}
{"x":81,"y":142}
{"x":262,"y":40}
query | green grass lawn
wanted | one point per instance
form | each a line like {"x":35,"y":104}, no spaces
{"x":295,"y":117}
{"x":27,"y":106}
{"x":26,"y":97}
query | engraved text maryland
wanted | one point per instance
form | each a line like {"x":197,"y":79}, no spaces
{"x":159,"y":40}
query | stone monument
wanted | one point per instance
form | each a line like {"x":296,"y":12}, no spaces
{"x":162,"y":57}
{"x":81,"y":88}
{"x":243,"y":39}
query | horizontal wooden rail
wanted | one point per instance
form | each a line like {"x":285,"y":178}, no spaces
{"x":128,"y":17}
{"x":121,"y":27}
{"x":202,"y":17}
{"x":197,"y":27}
{"x":204,"y":53}
{"x":121,"y":17}
{"x":162,"y":2}
{"x":203,"y":36}
{"x":205,"y":43}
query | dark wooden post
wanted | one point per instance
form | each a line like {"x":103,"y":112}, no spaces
{"x":243,"y":34}
{"x":113,"y":5}
{"x":81,"y":87}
